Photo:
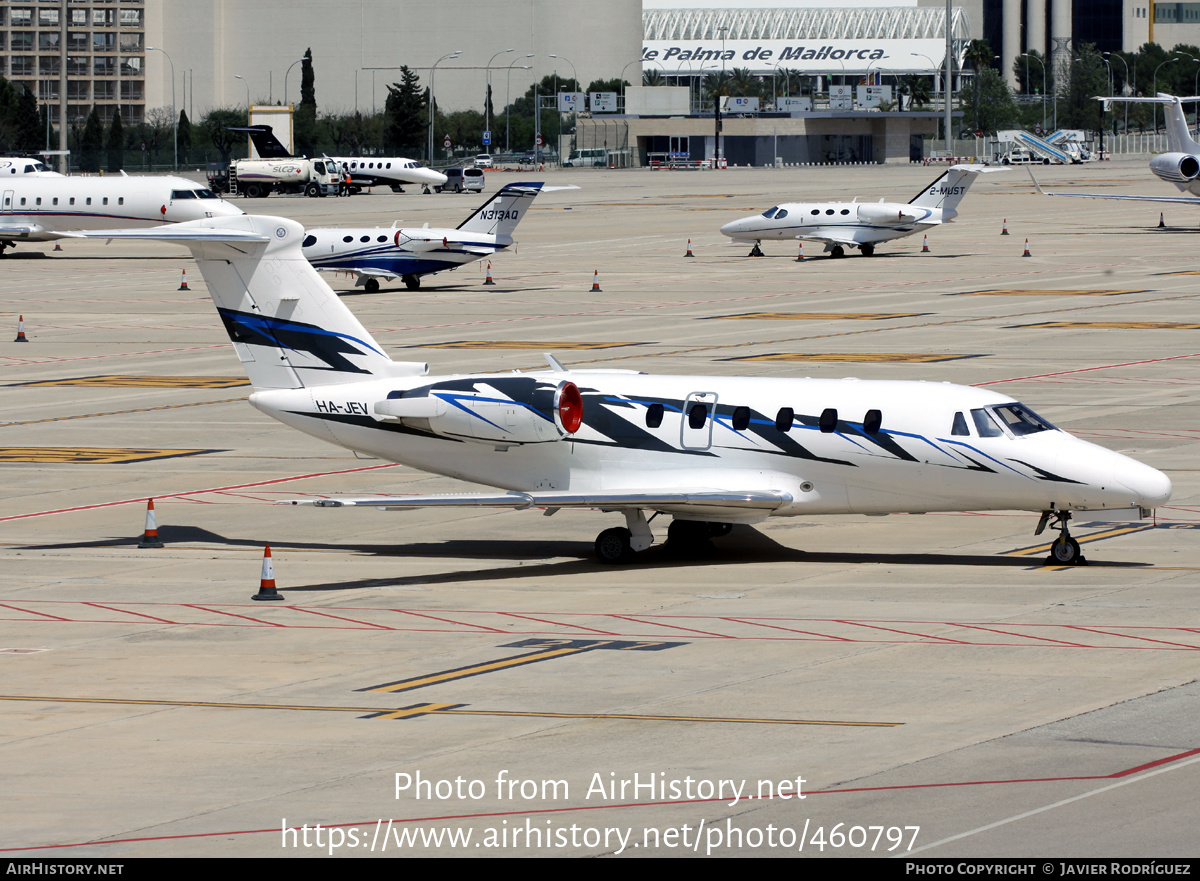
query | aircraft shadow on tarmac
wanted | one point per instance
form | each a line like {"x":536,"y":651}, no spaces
{"x":743,"y":545}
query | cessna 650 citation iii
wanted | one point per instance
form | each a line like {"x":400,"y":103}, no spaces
{"x":862,"y":225}
{"x":44,"y":207}
{"x":711,"y":451}
{"x":410,"y":252}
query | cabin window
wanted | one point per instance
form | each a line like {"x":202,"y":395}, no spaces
{"x":654,"y":415}
{"x":72,"y":202}
{"x":120,"y":200}
{"x":39,"y":200}
{"x":309,"y":241}
{"x":55,"y":201}
{"x":22,"y":200}
{"x":365,"y":239}
{"x":829,"y":420}
{"x":784,"y":419}
{"x":183,"y":194}
{"x":347,"y":239}
{"x":389,"y":165}
{"x":780,"y":214}
{"x":741,"y":419}
{"x":381,"y":239}
{"x":815,"y":212}
{"x":697,"y":415}
{"x":872,"y":421}
{"x":959,"y":429}
{"x":205,"y":194}
{"x":984,"y":425}
{"x":1021,"y":420}
{"x":845,"y":210}
{"x":828,"y":210}
{"x":106,"y":200}
{"x":769,"y":213}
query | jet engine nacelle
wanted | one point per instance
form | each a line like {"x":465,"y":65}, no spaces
{"x":485,"y":416}
{"x":882,"y":212}
{"x":1178,"y":168}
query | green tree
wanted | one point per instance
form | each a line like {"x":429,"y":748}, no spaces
{"x":405,"y":120}
{"x":979,"y":56}
{"x":1089,"y":79}
{"x":116,"y":143}
{"x":185,"y":137}
{"x":991,"y":106}
{"x":28,"y":132}
{"x":305,"y":121}
{"x":215,"y":125}
{"x":92,"y":142}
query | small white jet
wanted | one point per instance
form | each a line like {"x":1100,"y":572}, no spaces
{"x":411,"y":252}
{"x":862,"y":225}
{"x":711,"y":451}
{"x":42,"y":207}
{"x":1180,"y":165}
{"x":17,"y":165}
{"x":365,"y":171}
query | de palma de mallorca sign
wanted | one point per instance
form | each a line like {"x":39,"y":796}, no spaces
{"x":812,"y":57}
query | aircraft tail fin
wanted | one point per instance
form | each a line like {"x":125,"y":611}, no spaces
{"x":286,"y":324}
{"x":1179,"y":139}
{"x":264,"y":140}
{"x":947,"y":191}
{"x":499,"y":215}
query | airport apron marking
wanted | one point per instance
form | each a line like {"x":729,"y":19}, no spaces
{"x":114,"y":381}
{"x":1109,"y":325}
{"x":865,"y":357}
{"x":91,"y":455}
{"x":521,"y":344}
{"x":547,"y":649}
{"x":1013,"y":292}
{"x":823,"y":316}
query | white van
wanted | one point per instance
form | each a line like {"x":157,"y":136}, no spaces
{"x":459,"y":180}
{"x":596,"y":157}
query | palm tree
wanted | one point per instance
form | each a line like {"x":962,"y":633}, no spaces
{"x":653,"y":78}
{"x":979,"y":54}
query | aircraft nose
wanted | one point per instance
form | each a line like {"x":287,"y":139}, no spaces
{"x":734,"y":227}
{"x":1150,"y":485}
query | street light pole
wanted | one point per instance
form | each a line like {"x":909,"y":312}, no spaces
{"x":508,"y":101}
{"x":174,"y":111}
{"x":432,"y":102}
{"x":574,"y":108}
{"x":1154,"y":107}
{"x":487,"y":98}
{"x":1040,"y":61}
{"x":285,"y":76}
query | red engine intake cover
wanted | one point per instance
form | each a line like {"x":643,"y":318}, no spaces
{"x":569,"y":404}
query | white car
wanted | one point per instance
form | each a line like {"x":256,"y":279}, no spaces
{"x":484,"y":160}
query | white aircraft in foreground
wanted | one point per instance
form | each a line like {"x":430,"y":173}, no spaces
{"x":42,"y":207}
{"x":365,"y":171}
{"x":411,"y":252}
{"x":862,"y":225}
{"x":711,"y":451}
{"x":1180,"y":165}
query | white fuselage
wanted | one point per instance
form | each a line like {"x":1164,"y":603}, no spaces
{"x":845,"y":223}
{"x":925,"y":449}
{"x":398,"y":251}
{"x":39,"y":207}
{"x":388,"y":171}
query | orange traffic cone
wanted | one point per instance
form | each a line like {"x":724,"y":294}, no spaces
{"x":266,"y":585}
{"x":1004,"y":231}
{"x":596,"y":282}
{"x":183,"y":284}
{"x":20,"y":330}
{"x":150,"y":533}
{"x":800,"y":256}
{"x":1027,"y":254}
{"x":57,"y":246}
{"x":1161,"y":224}
{"x":488,"y":280}
{"x":689,"y":251}
{"x":925,"y":245}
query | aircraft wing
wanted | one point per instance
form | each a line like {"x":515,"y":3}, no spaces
{"x":1183,"y":200}
{"x":178,"y":232}
{"x":832,"y":239}
{"x":749,"y":503}
{"x":26,"y":230}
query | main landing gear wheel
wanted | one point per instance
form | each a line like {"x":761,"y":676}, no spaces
{"x":412,"y":282}
{"x":756,"y":251}
{"x":613,"y":546}
{"x":867,"y":250}
{"x":371,"y":285}
{"x":837,"y":251}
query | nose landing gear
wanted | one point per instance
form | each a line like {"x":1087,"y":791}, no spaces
{"x":1064,"y":550}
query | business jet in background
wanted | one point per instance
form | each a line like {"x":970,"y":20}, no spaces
{"x":42,"y":207}
{"x":711,"y":451}
{"x":1180,"y":165}
{"x":365,"y":171}
{"x":385,"y":253}
{"x":862,"y":225}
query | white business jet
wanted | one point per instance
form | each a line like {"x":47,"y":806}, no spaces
{"x":365,"y":171}
{"x":411,"y":252}
{"x":25,"y":167}
{"x":862,"y":225}
{"x":42,"y":207}
{"x":710,"y":451}
{"x":1180,"y":165}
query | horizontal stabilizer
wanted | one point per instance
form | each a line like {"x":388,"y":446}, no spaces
{"x":699,"y":499}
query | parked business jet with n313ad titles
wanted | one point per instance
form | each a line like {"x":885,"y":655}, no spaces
{"x":862,"y":225}
{"x":44,"y":207}
{"x":710,"y":451}
{"x":411,"y":252}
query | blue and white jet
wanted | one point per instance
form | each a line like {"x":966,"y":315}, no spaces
{"x":408,"y":253}
{"x":862,"y":225}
